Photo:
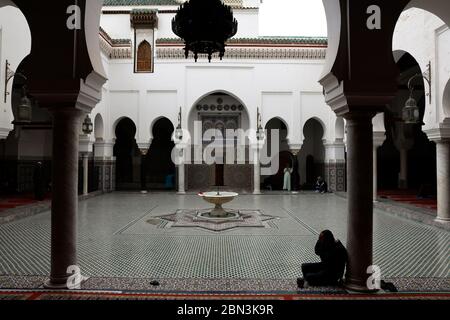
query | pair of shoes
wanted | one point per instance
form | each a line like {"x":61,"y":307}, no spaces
{"x":388,"y":286}
{"x":301,"y":283}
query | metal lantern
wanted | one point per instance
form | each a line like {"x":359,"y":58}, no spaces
{"x":88,"y":127}
{"x":179,"y":129}
{"x":205,"y":26}
{"x":260,"y":132}
{"x":179,"y":134}
{"x":411,"y":113}
{"x":25,"y":110}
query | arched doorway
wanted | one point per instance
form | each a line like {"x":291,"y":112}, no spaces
{"x":407,"y":159}
{"x":127,"y":156}
{"x":312,"y":155}
{"x":276,"y":128}
{"x":158,"y":165}
{"x":224,"y":113}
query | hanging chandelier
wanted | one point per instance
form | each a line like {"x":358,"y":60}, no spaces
{"x":205,"y":26}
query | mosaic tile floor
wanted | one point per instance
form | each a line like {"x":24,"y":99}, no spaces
{"x":116,"y":240}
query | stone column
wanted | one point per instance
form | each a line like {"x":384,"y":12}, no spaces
{"x":295,"y":174}
{"x":360,"y":199}
{"x":443,"y":180}
{"x":375,"y":173}
{"x":181,"y":172}
{"x":256,"y":173}
{"x":143,"y":171}
{"x":85,"y":174}
{"x":403,"y":176}
{"x":66,"y":123}
{"x":378,"y":140}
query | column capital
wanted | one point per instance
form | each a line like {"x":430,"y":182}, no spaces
{"x":143,"y":145}
{"x":295,"y":148}
{"x":334,"y":144}
{"x":440,"y":134}
{"x":378,"y":138}
{"x":354,"y":103}
{"x":85,"y":145}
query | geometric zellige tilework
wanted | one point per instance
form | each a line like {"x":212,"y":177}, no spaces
{"x":402,"y":248}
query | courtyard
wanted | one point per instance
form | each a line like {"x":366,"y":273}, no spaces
{"x":125,"y":243}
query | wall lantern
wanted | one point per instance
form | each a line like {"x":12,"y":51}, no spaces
{"x":260,"y":132}
{"x":411,"y":112}
{"x":25,"y":110}
{"x":9,"y":74}
{"x":88,"y":127}
{"x":179,"y":129}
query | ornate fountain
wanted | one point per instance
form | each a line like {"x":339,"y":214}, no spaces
{"x":218,"y":199}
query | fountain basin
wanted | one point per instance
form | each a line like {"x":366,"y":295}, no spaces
{"x":219,"y":199}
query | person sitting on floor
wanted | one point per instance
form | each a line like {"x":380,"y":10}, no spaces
{"x":330,"y":271}
{"x":321,"y":185}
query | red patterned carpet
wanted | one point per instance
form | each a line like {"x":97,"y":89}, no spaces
{"x":408,"y":197}
{"x":12,"y":202}
{"x":43,"y":295}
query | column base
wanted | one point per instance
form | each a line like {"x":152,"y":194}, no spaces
{"x":357,"y":288}
{"x":181,"y":193}
{"x":257,"y":193}
{"x":442,"y":220}
{"x":61,"y":284}
{"x":403,"y":184}
{"x":144,"y":192}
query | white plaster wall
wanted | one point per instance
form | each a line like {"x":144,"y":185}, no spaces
{"x":181,"y":83}
{"x":159,"y":103}
{"x":117,"y":25}
{"x":279,"y":104}
{"x":313,"y":106}
{"x":13,"y":26}
{"x":434,"y":39}
{"x":443,"y":77}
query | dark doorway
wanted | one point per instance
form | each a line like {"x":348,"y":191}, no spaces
{"x":160,"y":171}
{"x":312,"y":155}
{"x":126,"y":151}
{"x":284,"y":157}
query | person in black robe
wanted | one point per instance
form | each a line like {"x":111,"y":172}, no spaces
{"x":330,"y":271}
{"x":321,"y":185}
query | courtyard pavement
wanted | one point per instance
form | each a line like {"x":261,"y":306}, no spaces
{"x":121,"y":236}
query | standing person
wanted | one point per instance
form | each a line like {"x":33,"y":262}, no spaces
{"x":330,"y":271}
{"x":287,"y":186}
{"x":39,"y":182}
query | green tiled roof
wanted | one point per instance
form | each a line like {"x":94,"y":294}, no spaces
{"x":140,"y":3}
{"x":265,"y":40}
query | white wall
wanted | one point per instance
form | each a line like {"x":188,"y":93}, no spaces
{"x":13,"y":26}
{"x":418,"y":25}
